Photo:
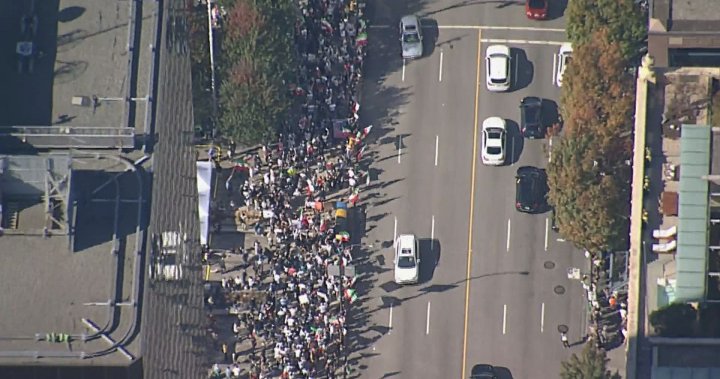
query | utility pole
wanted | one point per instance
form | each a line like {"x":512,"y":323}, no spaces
{"x":212,"y":57}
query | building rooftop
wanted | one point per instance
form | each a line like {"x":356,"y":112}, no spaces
{"x":687,"y":16}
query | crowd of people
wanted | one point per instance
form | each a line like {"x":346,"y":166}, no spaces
{"x":291,"y":293}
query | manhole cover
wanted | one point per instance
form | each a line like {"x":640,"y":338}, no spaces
{"x":549,"y":265}
{"x":563,"y":328}
{"x":559,"y":290}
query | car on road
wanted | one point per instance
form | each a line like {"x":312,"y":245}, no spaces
{"x":531,"y":118}
{"x":497,"y":67}
{"x":407,"y":259}
{"x":411,"y":37}
{"x":563,"y":58}
{"x":530,"y":189}
{"x":493,"y":141}
{"x":483,"y":372}
{"x":536,"y":9}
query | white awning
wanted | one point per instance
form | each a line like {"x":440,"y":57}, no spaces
{"x":204,"y":183}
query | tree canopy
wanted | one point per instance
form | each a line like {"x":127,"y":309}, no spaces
{"x":590,"y":364}
{"x":589,"y":172}
{"x":674,"y":320}
{"x":625,"y":20}
{"x":257,"y":62}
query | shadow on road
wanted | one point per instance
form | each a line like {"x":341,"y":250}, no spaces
{"x":556,"y":9}
{"x":515,"y":142}
{"x":429,"y":258}
{"x":523,"y":68}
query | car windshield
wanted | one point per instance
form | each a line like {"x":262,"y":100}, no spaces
{"x":494,"y":150}
{"x":526,"y":192}
{"x":406,"y":261}
{"x":532,"y":114}
{"x":411,"y":38}
{"x":494,"y":134}
{"x":537,"y":3}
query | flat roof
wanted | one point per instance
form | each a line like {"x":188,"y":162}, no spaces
{"x":693,"y":213}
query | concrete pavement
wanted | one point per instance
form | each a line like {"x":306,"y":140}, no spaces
{"x":513,"y":292}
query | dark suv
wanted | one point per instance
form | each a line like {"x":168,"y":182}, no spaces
{"x":530,"y":189}
{"x":531,"y":118}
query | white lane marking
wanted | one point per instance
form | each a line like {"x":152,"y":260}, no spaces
{"x":390,"y":322}
{"x":504,"y":318}
{"x":432,"y":233}
{"x":521,"y":41}
{"x":441,"y":64}
{"x":427,"y":321}
{"x":403,"y":71}
{"x":437,"y":143}
{"x":399,"y":148}
{"x":547,"y":227}
{"x":550,"y":149}
{"x":542,"y":318}
{"x":508,"y":237}
{"x":395,"y":231}
{"x":476,"y":27}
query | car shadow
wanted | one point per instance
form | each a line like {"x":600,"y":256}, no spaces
{"x":503,"y":373}
{"x":515,"y":142}
{"x":550,"y":113}
{"x":523,"y":69}
{"x":430,"y":252}
{"x":431,"y":33}
{"x":556,"y":9}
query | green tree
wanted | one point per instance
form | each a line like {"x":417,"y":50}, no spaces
{"x":674,"y":320}
{"x":258,"y":60}
{"x":626,"y":22}
{"x":590,"y":364}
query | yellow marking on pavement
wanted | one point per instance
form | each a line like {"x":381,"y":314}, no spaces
{"x":472,"y":207}
{"x":207,"y":272}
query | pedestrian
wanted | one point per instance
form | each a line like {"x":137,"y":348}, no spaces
{"x":564,"y":339}
{"x":225,"y":352}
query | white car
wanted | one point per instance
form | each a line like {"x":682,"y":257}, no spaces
{"x":407,"y":260}
{"x":493,"y":141}
{"x":564,"y":57}
{"x":411,"y":39}
{"x":497,"y":68}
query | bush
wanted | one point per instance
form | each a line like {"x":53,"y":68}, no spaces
{"x":674,"y":320}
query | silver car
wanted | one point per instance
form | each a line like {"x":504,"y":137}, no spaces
{"x":411,"y":37}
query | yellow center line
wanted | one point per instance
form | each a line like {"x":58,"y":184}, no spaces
{"x":472,"y":209}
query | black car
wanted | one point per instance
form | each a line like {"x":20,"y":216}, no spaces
{"x":531,"y":118}
{"x":483,"y":372}
{"x":530,"y":189}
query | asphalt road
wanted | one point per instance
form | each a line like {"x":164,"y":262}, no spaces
{"x":494,"y":285}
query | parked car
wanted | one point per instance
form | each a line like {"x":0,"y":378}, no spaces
{"x":493,"y":141}
{"x":563,"y":58}
{"x":530,"y":189}
{"x":497,"y":68}
{"x":536,"y":9}
{"x":531,"y":118}
{"x":483,"y":372}
{"x":407,"y":259}
{"x":411,"y":37}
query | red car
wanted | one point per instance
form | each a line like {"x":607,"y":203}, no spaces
{"x":536,"y":9}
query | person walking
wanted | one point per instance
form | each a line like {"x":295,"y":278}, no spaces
{"x":564,"y":339}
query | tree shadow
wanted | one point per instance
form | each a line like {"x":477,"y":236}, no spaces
{"x":523,"y":68}
{"x":70,"y":13}
{"x":550,"y":113}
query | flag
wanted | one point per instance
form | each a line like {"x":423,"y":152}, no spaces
{"x":366,"y":130}
{"x":361,"y":39}
{"x":327,"y":26}
{"x":354,"y":198}
{"x":310,"y":186}
{"x":351,"y":295}
{"x":343,"y":237}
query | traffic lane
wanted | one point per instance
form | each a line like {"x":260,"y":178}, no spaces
{"x":389,"y":167}
{"x":439,"y":116}
{"x":450,"y":200}
{"x":384,"y":96}
{"x":483,"y":12}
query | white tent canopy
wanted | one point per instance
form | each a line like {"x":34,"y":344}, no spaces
{"x":204,"y":183}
